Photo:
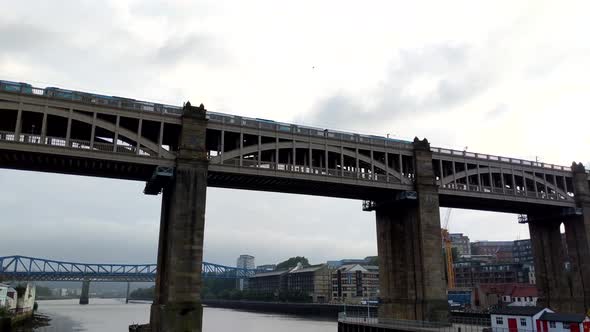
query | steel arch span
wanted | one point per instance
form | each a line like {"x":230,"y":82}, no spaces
{"x":24,"y":268}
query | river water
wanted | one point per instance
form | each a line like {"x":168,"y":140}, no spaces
{"x":103,"y":315}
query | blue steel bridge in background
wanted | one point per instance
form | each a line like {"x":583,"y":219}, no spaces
{"x":23,"y":268}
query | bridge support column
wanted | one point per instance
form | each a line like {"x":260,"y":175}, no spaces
{"x":554,"y":291}
{"x":577,"y":233}
{"x":85,"y":292}
{"x":127,"y":293}
{"x":411,"y":277}
{"x":177,"y":303}
{"x":561,"y":289}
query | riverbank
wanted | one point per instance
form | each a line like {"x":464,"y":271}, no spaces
{"x":24,"y":323}
{"x":324,"y":310}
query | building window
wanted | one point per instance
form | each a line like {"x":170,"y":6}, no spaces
{"x":552,"y":325}
{"x":523,"y":322}
{"x":565,"y":326}
{"x":499,"y":320}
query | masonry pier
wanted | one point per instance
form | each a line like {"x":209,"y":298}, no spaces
{"x":559,"y":288}
{"x":84,"y":296}
{"x":577,"y":233}
{"x":549,"y":261}
{"x":127,"y":292}
{"x":177,"y":304}
{"x":411,"y":277}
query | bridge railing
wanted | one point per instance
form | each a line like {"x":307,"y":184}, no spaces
{"x":74,"y":143}
{"x":366,"y":317}
{"x":331,"y":172}
{"x":229,"y":119}
{"x":506,"y":191}
{"x":90,"y":98}
{"x":483,"y":156}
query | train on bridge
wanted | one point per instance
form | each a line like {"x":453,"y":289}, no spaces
{"x":144,"y":106}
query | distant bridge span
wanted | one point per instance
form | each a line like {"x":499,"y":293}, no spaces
{"x":23,"y":268}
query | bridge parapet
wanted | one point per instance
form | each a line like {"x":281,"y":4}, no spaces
{"x":90,"y":98}
{"x":489,"y":157}
{"x":475,"y":174}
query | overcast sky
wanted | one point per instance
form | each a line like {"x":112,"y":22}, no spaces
{"x":499,"y":77}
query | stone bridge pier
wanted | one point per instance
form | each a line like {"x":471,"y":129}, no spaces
{"x":560,"y":288}
{"x":85,"y":295}
{"x":127,"y":292}
{"x":177,"y":303}
{"x":411,"y":277}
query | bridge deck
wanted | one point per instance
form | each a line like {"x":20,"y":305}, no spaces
{"x":87,"y":134}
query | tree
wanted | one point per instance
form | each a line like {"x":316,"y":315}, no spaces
{"x":143,"y":293}
{"x":292,"y":262}
{"x":374,"y":261}
{"x":43,"y":291}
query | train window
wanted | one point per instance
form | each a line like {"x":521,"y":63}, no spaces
{"x":11,"y":87}
{"x":303,"y":131}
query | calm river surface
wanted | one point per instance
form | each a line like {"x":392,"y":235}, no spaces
{"x":103,"y":315}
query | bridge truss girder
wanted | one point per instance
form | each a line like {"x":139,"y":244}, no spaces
{"x":23,"y":268}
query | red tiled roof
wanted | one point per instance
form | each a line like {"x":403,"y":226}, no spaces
{"x":522,"y":291}
{"x":511,"y":289}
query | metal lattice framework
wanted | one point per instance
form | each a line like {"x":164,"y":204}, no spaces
{"x":23,"y":268}
{"x":75,"y":132}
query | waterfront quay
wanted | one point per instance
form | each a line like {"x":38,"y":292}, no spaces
{"x":358,"y":322}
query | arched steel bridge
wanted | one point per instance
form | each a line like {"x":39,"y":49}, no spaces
{"x":56,"y":130}
{"x":23,"y":268}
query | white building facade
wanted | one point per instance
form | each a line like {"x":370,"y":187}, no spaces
{"x":245,"y":262}
{"x":556,"y":322}
{"x":517,"y":319}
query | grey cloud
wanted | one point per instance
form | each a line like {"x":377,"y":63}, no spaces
{"x":194,"y":47}
{"x":342,"y":107}
{"x":77,"y":218}
{"x":458,"y":75}
{"x":22,"y":37}
{"x":94,"y":42}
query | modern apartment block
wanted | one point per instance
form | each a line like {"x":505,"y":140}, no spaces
{"x":355,"y":283}
{"x":490,"y":247}
{"x":314,"y":281}
{"x":471,"y":274}
{"x":461,"y":242}
{"x":245,"y":262}
{"x":522,"y":252}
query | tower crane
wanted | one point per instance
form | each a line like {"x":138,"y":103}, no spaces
{"x":448,"y":250}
